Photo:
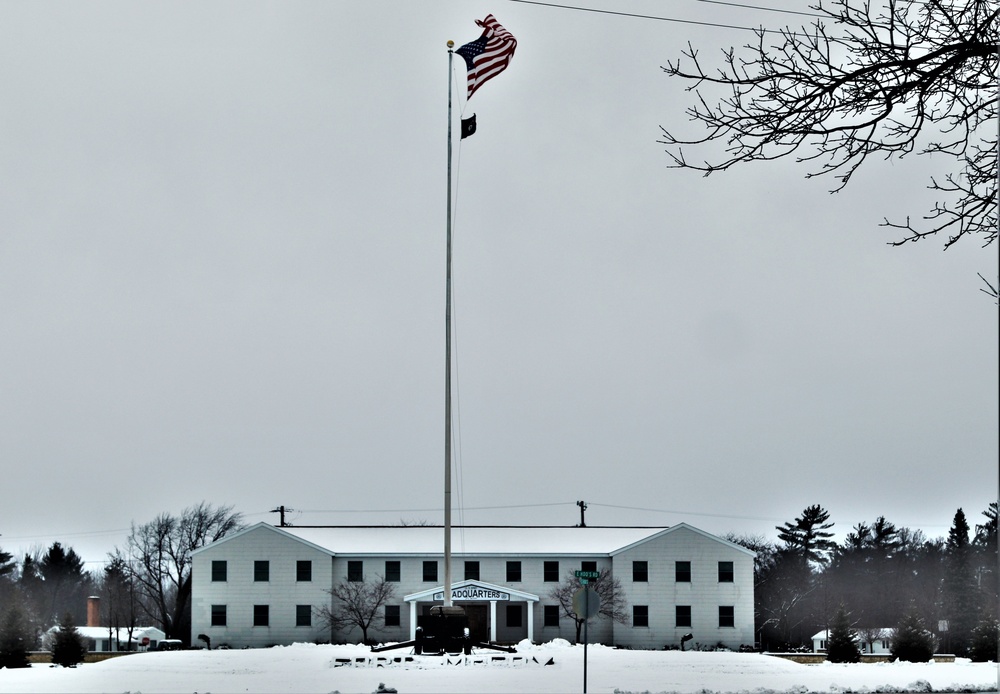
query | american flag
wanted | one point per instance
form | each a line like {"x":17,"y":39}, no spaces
{"x":487,"y":56}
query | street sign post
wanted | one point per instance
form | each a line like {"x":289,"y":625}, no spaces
{"x":586,"y":604}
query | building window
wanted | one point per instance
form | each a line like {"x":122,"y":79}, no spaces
{"x":392,"y":615}
{"x":392,"y":571}
{"x":355,"y":571}
{"x":682,"y":572}
{"x":513,"y":572}
{"x":514,"y":618}
{"x":640,"y":615}
{"x":551,"y":616}
{"x":551,"y":571}
{"x":640,"y":571}
{"x":588,"y":566}
{"x":303,"y":570}
{"x":262,"y":571}
{"x":219,"y":570}
{"x":260,"y":615}
{"x":303,"y":615}
{"x":218,"y":615}
{"x":430,"y":571}
{"x":725,"y":572}
{"x":727,"y":616}
{"x":682,"y":615}
{"x":472,"y":571}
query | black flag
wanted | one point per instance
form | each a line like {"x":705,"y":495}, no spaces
{"x":468,"y":126}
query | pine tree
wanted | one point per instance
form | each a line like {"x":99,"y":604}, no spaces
{"x":841,"y":646}
{"x":985,"y":641}
{"x":69,"y":648}
{"x":911,"y":641}
{"x":15,"y":639}
{"x":959,"y":586}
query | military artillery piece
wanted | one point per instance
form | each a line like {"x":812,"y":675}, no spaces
{"x":444,"y":630}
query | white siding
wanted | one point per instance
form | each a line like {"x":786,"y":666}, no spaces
{"x":239,"y":593}
{"x":704,"y":593}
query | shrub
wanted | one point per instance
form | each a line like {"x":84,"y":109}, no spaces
{"x":68,"y":647}
{"x":985,"y":639}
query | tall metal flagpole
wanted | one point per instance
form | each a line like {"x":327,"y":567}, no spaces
{"x":447,"y":364}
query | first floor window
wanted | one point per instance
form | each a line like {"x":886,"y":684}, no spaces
{"x":514,"y":616}
{"x":640,"y":615}
{"x":219,"y":570}
{"x":551,"y":616}
{"x":683,"y":615}
{"x":727,"y":616}
{"x":303,"y":570}
{"x":472,"y":571}
{"x":640,"y":571}
{"x":392,"y":571}
{"x":551,"y":571}
{"x":218,"y":615}
{"x":303,"y":615}
{"x":355,"y":571}
{"x":262,"y":570}
{"x":392,"y":615}
{"x":513,"y":572}
{"x":260,"y":615}
{"x":430,"y":571}
{"x":725,"y":572}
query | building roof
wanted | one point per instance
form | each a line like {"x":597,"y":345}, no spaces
{"x":119,"y":635}
{"x":471,"y":540}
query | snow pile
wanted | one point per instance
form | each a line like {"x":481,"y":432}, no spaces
{"x":312,"y":668}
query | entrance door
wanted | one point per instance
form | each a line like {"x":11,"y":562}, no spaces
{"x":479,"y":621}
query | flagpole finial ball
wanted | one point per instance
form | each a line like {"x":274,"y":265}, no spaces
{"x":451,"y":44}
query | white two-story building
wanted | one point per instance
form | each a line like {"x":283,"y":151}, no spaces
{"x":264,"y":585}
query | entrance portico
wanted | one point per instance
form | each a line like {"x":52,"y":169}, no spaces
{"x":471,"y":591}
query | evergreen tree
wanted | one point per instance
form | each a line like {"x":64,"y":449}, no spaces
{"x":809,"y":536}
{"x":64,"y":584}
{"x":15,"y":639}
{"x":841,"y":646}
{"x":985,"y":641}
{"x":68,"y":649}
{"x":911,"y":641}
{"x":7,"y":564}
{"x":960,"y":591}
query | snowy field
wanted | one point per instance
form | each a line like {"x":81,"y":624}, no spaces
{"x":310,"y":668}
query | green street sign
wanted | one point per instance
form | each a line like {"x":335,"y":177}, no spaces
{"x":591,"y":575}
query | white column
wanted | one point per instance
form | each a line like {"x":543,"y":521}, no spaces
{"x":493,"y":620}
{"x":413,"y":619}
{"x":531,"y":621}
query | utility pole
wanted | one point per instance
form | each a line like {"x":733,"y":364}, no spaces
{"x":583,"y":508}
{"x":281,"y":510}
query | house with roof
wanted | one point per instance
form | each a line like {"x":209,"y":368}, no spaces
{"x":265,"y":585}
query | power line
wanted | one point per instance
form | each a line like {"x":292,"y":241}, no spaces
{"x":671,"y":19}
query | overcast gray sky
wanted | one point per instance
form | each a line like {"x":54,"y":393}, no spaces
{"x":222,"y":244}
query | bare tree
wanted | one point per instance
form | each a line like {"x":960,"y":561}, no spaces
{"x":869,"y":635}
{"x":160,"y":556}
{"x":609,"y":590}
{"x":865,"y":79}
{"x":356,"y":604}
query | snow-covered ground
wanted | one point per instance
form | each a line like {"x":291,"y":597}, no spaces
{"x":311,"y":668}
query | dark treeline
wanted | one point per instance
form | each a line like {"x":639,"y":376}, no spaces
{"x":145,"y":583}
{"x":880,"y":575}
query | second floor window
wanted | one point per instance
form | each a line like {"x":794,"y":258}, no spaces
{"x":355,"y":571}
{"x":682,"y":572}
{"x":262,"y":570}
